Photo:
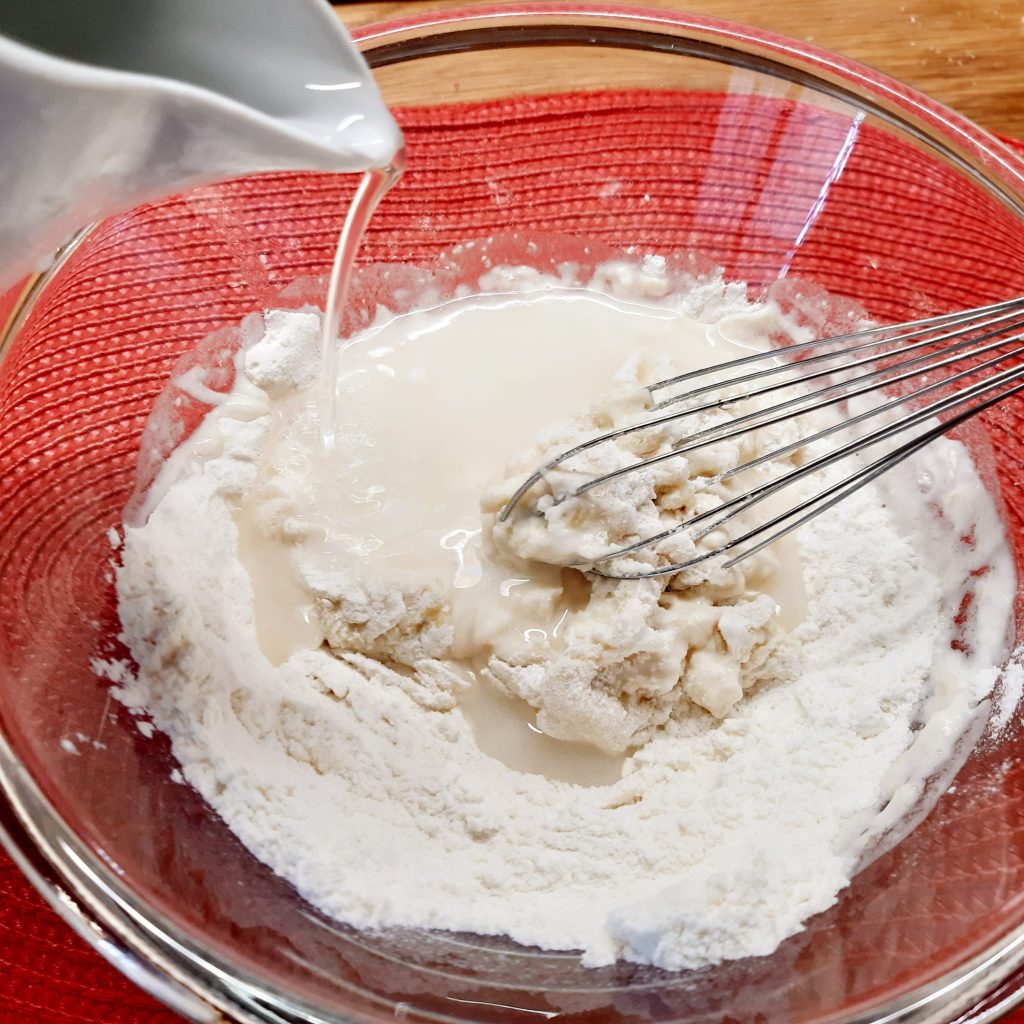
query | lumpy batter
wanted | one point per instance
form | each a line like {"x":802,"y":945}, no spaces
{"x":374,"y":683}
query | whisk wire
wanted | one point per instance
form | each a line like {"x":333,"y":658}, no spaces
{"x":952,"y":341}
{"x":946,"y":340}
{"x":790,"y":409}
{"x":967,"y":335}
{"x":876,"y":410}
{"x":858,"y":480}
{"x":723,"y":513}
{"x":928,"y":324}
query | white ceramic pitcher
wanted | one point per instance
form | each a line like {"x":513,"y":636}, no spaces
{"x":105,"y":104}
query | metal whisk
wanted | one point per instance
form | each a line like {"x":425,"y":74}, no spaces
{"x":927,"y":352}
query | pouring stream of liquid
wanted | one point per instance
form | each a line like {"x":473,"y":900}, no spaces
{"x":373,"y":187}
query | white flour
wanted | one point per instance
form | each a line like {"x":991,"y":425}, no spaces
{"x":367,"y":788}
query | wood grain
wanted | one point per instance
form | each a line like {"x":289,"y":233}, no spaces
{"x":966,"y":53}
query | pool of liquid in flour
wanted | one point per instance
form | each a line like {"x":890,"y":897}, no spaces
{"x":430,"y":407}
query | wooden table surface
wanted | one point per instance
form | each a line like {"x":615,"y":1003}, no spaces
{"x":966,"y":53}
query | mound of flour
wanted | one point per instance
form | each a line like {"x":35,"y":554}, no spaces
{"x":371,"y":795}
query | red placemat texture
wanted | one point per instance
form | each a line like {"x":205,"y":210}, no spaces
{"x":47,"y":974}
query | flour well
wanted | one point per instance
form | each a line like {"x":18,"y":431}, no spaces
{"x":365,"y":718}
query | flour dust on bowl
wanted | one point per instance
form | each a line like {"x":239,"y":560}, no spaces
{"x":567,"y":139}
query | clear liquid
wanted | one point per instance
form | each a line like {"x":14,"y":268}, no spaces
{"x":506,"y":730}
{"x":373,"y":187}
{"x":282,"y":607}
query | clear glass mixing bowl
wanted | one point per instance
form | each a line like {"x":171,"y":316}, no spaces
{"x":666,"y":132}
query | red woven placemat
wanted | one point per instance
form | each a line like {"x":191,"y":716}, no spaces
{"x":47,"y":974}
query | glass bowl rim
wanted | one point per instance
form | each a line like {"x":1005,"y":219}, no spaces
{"x":202,"y":985}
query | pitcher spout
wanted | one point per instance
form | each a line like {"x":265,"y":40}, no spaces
{"x":116,"y":103}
